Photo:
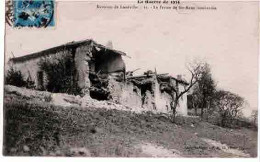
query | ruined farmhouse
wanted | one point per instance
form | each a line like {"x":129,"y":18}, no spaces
{"x":98,"y":71}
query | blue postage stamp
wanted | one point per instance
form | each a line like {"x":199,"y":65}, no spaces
{"x":34,"y":13}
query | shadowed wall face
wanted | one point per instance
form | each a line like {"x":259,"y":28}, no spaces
{"x":108,"y":62}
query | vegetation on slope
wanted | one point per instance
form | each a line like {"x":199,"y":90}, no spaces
{"x":41,"y":129}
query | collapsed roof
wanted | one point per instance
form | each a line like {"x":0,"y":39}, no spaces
{"x":165,"y":77}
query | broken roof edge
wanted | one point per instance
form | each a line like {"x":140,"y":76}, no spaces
{"x":180,"y":81}
{"x":63,"y":46}
{"x":176,"y":79}
{"x":159,"y":75}
{"x":107,"y":48}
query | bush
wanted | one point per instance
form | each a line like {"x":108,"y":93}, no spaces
{"x":47,"y":98}
{"x":14,"y":77}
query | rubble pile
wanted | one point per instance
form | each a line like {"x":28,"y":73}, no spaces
{"x":65,"y":100}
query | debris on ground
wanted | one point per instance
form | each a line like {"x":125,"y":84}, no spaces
{"x":66,"y":100}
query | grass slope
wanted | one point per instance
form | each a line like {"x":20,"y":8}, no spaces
{"x":41,"y":129}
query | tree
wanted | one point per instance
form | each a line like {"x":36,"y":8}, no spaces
{"x":195,"y":70}
{"x":203,"y":91}
{"x":229,"y":106}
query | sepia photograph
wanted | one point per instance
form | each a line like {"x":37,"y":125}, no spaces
{"x":140,"y":78}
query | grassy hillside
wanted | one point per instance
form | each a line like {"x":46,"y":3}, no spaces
{"x":37,"y":128}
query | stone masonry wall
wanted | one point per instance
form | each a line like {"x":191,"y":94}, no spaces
{"x":82,"y":57}
{"x":125,"y":93}
{"x":30,"y":68}
{"x":129,"y":95}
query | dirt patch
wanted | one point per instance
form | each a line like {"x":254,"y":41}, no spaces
{"x":152,"y":150}
{"x":225,"y":148}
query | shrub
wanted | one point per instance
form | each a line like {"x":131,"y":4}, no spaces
{"x":47,"y":98}
{"x":14,"y":77}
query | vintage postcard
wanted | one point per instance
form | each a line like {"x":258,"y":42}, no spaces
{"x":139,"y":78}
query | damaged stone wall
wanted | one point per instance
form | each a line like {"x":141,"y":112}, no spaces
{"x":146,"y":86}
{"x":182,"y":107}
{"x":149,"y":96}
{"x":86,"y":60}
{"x":140,"y":93}
{"x":145,"y":93}
{"x":162,"y":99}
{"x":139,"y":96}
{"x":149,"y":102}
{"x":82,"y":58}
{"x":101,"y":71}
{"x":165,"y":99}
{"x":106,"y":67}
{"x":125,"y":93}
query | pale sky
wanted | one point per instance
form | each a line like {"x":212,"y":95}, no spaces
{"x":227,"y":38}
